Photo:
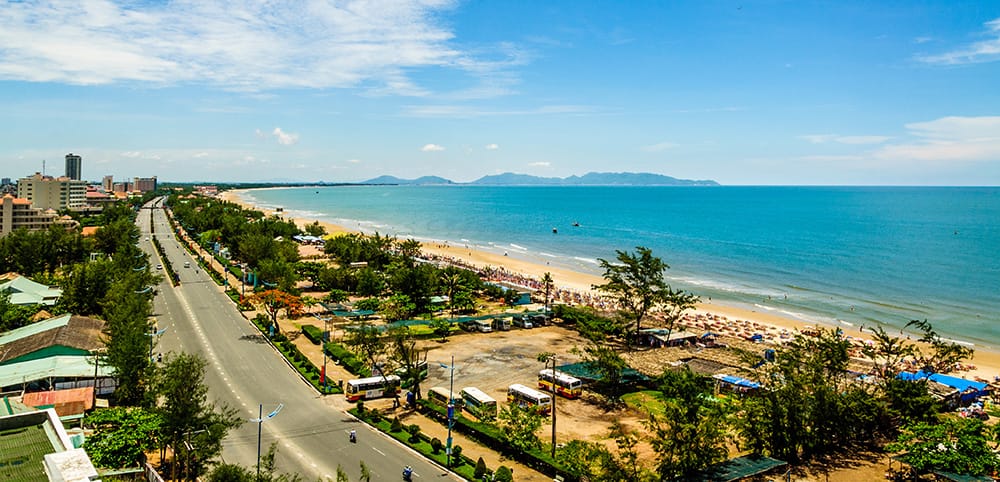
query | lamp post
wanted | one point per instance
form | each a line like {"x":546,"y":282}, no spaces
{"x":451,"y":409}
{"x":546,"y":358}
{"x":260,"y":422}
{"x":324,"y":338}
{"x":153,"y":333}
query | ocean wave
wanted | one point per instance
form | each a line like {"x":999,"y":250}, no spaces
{"x":518,"y":248}
{"x":547,"y":255}
{"x":586,"y":260}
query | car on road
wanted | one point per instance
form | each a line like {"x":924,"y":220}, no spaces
{"x":159,"y":266}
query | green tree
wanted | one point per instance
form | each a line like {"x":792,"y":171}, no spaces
{"x":635,"y":282}
{"x":519,"y":426}
{"x":959,"y":445}
{"x":192,"y":426}
{"x":273,"y":301}
{"x":367,"y":341}
{"x":441,"y":327}
{"x":397,"y":307}
{"x":315,"y":229}
{"x":547,"y":287}
{"x":503,"y":474}
{"x":691,"y":433}
{"x":13,"y":316}
{"x":404,"y":354}
{"x":590,"y":460}
{"x":121,"y":435}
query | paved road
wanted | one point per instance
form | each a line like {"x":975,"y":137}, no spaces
{"x":244,"y":371}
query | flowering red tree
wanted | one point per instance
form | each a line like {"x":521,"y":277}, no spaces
{"x":273,"y":301}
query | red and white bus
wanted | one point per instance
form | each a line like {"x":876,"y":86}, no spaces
{"x":565,"y":385}
{"x":527,"y":397}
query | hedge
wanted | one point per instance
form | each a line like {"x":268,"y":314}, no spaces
{"x":314,"y":334}
{"x":490,"y":436}
{"x":345,"y":357}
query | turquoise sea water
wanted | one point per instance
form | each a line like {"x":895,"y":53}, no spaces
{"x":836,"y":255}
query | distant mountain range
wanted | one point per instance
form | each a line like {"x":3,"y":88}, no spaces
{"x":589,"y":179}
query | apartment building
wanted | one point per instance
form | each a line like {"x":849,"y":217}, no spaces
{"x":47,"y":192}
{"x":19,"y":213}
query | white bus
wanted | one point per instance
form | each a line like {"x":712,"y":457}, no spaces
{"x":441,"y":396}
{"x":371,"y":387}
{"x":478,"y":403}
{"x":529,"y":397}
{"x":565,"y":385}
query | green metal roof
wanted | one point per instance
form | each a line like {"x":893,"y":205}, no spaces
{"x":23,"y":291}
{"x":34,"y":329}
{"x":735,"y":469}
{"x":55,"y":367}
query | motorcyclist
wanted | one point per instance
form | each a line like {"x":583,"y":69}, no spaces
{"x":354,"y":436}
{"x":407,"y":473}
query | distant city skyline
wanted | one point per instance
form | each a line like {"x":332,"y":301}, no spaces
{"x":740,"y":92}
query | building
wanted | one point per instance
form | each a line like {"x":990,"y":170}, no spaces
{"x":74,"y":165}
{"x":108,"y":183}
{"x":47,"y":192}
{"x":54,"y":354}
{"x":19,"y":213}
{"x":144,"y":184}
{"x":24,"y":292}
{"x":37,"y":447}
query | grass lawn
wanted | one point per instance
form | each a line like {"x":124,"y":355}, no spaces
{"x":647,"y":401}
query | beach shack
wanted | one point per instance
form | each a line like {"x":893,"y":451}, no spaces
{"x":734,"y":384}
{"x":739,"y":468}
{"x":657,"y":337}
{"x":969,"y":390}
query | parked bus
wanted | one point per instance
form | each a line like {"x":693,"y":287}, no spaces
{"x":371,"y":387}
{"x":566,"y":385}
{"x":529,"y":397}
{"x":478,"y":403}
{"x":441,"y":396}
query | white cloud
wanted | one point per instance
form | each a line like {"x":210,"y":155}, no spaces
{"x":922,"y":40}
{"x":243,"y":45}
{"x":492,"y":147}
{"x":432,"y":148}
{"x":948,"y":139}
{"x":354,"y":161}
{"x":199,"y":155}
{"x":853,"y":140}
{"x":659,"y":147}
{"x":862,"y":139}
{"x":132,"y":154}
{"x":987,"y":50}
{"x":284,"y":138}
{"x":540,"y":164}
{"x":464,"y":111}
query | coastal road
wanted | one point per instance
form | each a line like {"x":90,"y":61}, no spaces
{"x":244,"y":372}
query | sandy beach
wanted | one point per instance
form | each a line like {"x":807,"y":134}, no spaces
{"x":736,"y":321}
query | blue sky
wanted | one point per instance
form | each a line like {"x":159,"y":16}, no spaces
{"x":742,"y":92}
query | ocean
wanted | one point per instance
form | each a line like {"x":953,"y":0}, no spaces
{"x":846,"y":256}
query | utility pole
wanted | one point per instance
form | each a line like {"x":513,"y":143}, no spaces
{"x":545,"y":358}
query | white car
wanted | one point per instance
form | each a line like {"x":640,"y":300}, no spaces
{"x":159,"y":266}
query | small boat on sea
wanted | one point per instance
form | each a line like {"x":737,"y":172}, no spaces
{"x":576,"y":224}
{"x":555,"y":231}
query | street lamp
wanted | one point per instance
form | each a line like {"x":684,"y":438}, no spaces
{"x":153,"y":333}
{"x":260,"y":422}
{"x":451,"y":409}
{"x":324,"y":339}
{"x":546,"y":358}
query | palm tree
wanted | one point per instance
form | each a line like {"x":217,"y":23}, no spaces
{"x":547,"y":283}
{"x":452,"y":281}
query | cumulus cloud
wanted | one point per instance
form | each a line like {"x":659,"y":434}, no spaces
{"x":432,"y":148}
{"x":243,"y":45}
{"x":659,"y":147}
{"x":283,"y":138}
{"x":948,"y":139}
{"x":987,"y":50}
{"x":492,"y":147}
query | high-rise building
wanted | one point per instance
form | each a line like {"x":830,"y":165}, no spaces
{"x":47,"y":192}
{"x":108,"y":183}
{"x":74,"y":164}
{"x":144,"y":184}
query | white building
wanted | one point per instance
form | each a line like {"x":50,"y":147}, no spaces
{"x":47,"y":192}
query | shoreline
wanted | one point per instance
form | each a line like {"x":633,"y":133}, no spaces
{"x":986,"y":361}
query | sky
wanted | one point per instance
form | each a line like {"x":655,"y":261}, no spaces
{"x":740,"y":92}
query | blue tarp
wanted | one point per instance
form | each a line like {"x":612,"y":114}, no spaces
{"x":740,"y":382}
{"x":959,"y":384}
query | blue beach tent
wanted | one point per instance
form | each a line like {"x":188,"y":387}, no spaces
{"x":969,"y":389}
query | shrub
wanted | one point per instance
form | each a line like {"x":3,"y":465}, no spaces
{"x":456,"y":456}
{"x":436,"y":445}
{"x":361,"y":408}
{"x":396,"y":426}
{"x":480,"y":469}
{"x":414,"y":431}
{"x":503,"y":474}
